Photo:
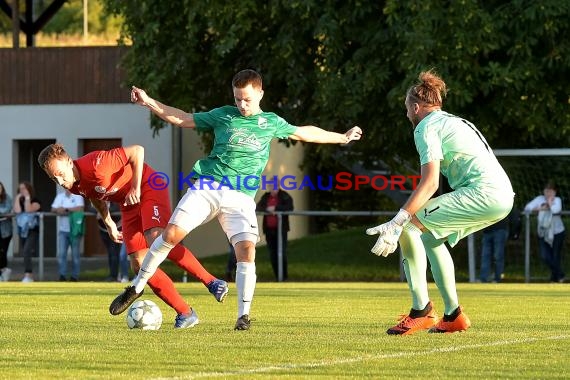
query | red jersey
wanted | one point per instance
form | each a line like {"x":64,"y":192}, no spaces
{"x":271,"y":220}
{"x":106,"y":175}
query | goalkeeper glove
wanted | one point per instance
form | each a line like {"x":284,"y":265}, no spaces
{"x":389,"y":233}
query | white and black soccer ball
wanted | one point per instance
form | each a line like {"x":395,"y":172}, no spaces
{"x":144,"y":315}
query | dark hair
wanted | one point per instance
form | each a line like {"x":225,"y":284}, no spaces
{"x":245,"y":77}
{"x":2,"y":192}
{"x":28,"y":185}
{"x":430,"y":89}
{"x":51,"y":152}
{"x":551,"y":185}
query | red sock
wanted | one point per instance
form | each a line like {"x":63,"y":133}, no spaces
{"x":164,"y":288}
{"x":186,"y":260}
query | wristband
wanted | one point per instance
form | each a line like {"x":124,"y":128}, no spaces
{"x":402,"y":218}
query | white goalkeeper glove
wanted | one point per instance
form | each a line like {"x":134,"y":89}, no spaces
{"x":389,"y":233}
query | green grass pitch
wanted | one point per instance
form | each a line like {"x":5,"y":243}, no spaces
{"x":299,"y":330}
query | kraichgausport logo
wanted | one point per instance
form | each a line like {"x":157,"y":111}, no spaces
{"x":343,"y":181}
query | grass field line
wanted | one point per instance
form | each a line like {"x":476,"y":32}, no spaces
{"x":328,"y":363}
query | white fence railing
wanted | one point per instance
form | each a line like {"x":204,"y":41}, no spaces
{"x":41,"y":233}
{"x":471,"y":250}
{"x":471,"y":246}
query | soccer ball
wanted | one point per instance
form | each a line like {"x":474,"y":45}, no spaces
{"x":144,"y":315}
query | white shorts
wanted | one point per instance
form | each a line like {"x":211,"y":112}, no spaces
{"x":234,"y":209}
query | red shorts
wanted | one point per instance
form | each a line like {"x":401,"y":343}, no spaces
{"x":152,"y":211}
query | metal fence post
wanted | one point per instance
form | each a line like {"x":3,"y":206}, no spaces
{"x":41,"y":248}
{"x":527,"y":248}
{"x":279,"y":247}
{"x":471,"y":257}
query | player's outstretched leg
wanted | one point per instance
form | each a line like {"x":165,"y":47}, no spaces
{"x":457,"y":321}
{"x":124,"y":300}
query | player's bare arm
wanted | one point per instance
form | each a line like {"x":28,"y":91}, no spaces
{"x":169,"y":114}
{"x":135,"y":156}
{"x":310,"y":133}
{"x":103,"y":210}
{"x":429,"y":183}
{"x":29,"y":206}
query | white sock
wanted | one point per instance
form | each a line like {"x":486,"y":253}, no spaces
{"x":156,"y":255}
{"x":245,"y":285}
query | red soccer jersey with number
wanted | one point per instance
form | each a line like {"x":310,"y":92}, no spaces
{"x":107,"y":175}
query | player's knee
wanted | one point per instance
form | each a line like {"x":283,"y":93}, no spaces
{"x":410,"y":232}
{"x":173,"y":235}
{"x":245,"y":251}
{"x":152,"y":234}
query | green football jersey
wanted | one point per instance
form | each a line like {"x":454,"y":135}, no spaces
{"x":465,"y":157}
{"x":241,"y":146}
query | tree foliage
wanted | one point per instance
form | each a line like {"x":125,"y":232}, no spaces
{"x":338,"y":64}
{"x":69,"y":19}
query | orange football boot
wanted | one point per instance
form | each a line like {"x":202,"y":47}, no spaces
{"x":460,"y":323}
{"x":408,"y":325}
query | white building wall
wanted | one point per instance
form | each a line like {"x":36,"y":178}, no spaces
{"x":69,"y":123}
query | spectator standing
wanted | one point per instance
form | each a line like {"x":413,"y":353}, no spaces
{"x":5,"y":232}
{"x":493,"y":245}
{"x":551,"y":231}
{"x":276,"y":200}
{"x":116,"y":252}
{"x":493,"y":248}
{"x":69,"y":209}
{"x":26,"y":205}
{"x":124,"y":264}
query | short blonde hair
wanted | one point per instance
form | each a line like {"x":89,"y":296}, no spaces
{"x":49,"y":153}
